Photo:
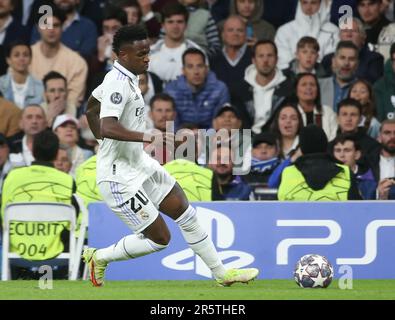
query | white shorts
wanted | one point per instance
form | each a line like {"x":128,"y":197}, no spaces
{"x":138,"y":207}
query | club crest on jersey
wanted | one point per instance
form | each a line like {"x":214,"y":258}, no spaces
{"x":116,"y":98}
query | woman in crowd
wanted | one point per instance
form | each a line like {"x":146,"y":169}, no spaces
{"x":309,"y":105}
{"x":362,"y":91}
{"x":18,"y":85}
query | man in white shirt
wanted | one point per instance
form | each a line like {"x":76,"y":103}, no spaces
{"x":134,"y":185}
{"x":166,"y":54}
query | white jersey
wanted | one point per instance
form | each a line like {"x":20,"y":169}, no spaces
{"x":121,"y":161}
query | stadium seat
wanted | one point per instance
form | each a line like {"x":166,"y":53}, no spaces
{"x":43,"y":212}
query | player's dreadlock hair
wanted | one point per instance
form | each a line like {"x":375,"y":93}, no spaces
{"x":128,"y":34}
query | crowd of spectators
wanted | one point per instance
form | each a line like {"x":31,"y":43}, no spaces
{"x":274,"y":67}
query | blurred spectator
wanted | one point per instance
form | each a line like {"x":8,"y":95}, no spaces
{"x":251,"y":11}
{"x":227,"y":123}
{"x":226,"y":185}
{"x":307,"y":23}
{"x":201,"y":27}
{"x":56,"y":102}
{"x":315,"y":176}
{"x":166,"y":54}
{"x":362,"y":91}
{"x":370,"y":66}
{"x":265,"y":158}
{"x":307,"y":52}
{"x":384,"y":90}
{"x":382,"y":159}
{"x":372,"y":17}
{"x":114,"y":18}
{"x":85,"y":179}
{"x":163,"y":114}
{"x":230,"y":63}
{"x":66,"y":128}
{"x":5,"y":164}
{"x":40,"y":182}
{"x":348,"y":151}
{"x":162,"y":110}
{"x":10,"y":115}
{"x":195,"y":180}
{"x":286,"y":124}
{"x":132,"y":10}
{"x":269,"y":86}
{"x":79,"y":32}
{"x":63,"y":159}
{"x":309,"y":105}
{"x":198,"y":92}
{"x":49,"y":54}
{"x":18,"y":86}
{"x":33,"y":121}
{"x":344,"y":66}
{"x":349,"y":115}
{"x":387,"y":8}
{"x":11,"y":30}
{"x":279,"y":12}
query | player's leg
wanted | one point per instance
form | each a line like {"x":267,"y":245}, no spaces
{"x":139,"y":213}
{"x":176,"y":206}
{"x":171,"y":200}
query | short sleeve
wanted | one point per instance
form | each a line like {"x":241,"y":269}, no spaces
{"x":114,"y":97}
{"x":98,"y":92}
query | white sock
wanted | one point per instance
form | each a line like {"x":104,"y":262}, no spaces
{"x":129,"y":247}
{"x":200,"y":242}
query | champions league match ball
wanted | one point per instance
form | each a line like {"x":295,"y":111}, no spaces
{"x":313,"y":271}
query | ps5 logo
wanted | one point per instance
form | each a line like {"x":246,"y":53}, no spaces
{"x":335,"y":231}
{"x":186,"y":260}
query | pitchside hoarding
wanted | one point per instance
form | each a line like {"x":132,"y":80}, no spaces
{"x":270,"y":236}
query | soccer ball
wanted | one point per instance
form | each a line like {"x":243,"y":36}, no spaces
{"x":313,"y":271}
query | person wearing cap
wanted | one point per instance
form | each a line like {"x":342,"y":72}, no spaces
{"x":5,"y":164}
{"x":315,"y":176}
{"x":66,"y":128}
{"x":265,"y":152}
{"x":198,"y":92}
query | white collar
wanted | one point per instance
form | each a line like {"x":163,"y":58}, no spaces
{"x":126,"y":72}
{"x":76,"y":17}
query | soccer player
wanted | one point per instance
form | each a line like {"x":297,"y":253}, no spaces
{"x":134,"y":185}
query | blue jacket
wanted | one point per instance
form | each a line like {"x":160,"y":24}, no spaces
{"x":34,"y":94}
{"x":198,"y":107}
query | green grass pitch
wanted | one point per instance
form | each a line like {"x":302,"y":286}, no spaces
{"x":194,"y":290}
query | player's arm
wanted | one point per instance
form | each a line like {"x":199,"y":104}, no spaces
{"x":93,"y":116}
